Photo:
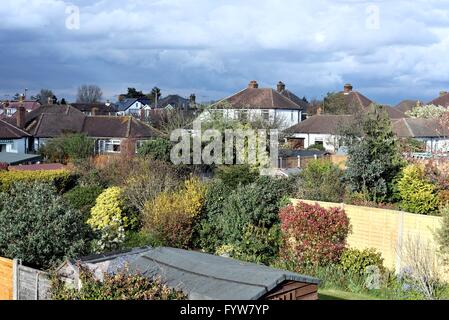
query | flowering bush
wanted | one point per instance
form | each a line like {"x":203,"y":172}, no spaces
{"x":60,"y":178}
{"x":313,"y":235}
{"x":428,"y":112}
{"x":170,"y":216}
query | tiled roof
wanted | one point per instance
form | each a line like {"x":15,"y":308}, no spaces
{"x":28,"y":104}
{"x":321,"y":124}
{"x":10,"y":131}
{"x":102,"y":108}
{"x":258,"y":98}
{"x":293,"y":97}
{"x":355,"y":98}
{"x":442,"y":100}
{"x":407,"y":105}
{"x":117,"y":127}
{"x":419,"y":128}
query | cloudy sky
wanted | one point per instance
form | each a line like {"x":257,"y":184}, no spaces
{"x":389,"y":50}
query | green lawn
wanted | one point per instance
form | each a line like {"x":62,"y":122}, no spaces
{"x":331,"y":294}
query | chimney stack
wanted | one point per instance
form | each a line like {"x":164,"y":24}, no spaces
{"x":21,"y":117}
{"x":192,"y":103}
{"x":319,"y":111}
{"x":443,"y":93}
{"x":50,"y":101}
{"x":280,"y":87}
{"x":253,"y":85}
{"x":348,"y":88}
{"x":94,"y":111}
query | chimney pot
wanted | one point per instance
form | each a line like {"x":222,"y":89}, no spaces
{"x":348,"y":88}
{"x":280,"y":87}
{"x":21,"y":117}
{"x":50,"y":100}
{"x":253,"y":85}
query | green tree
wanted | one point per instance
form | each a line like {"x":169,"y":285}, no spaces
{"x":68,"y":147}
{"x":321,"y":180}
{"x":37,"y":226}
{"x":233,"y":176}
{"x":157,"y":149}
{"x":336,"y":103}
{"x":374,"y":158}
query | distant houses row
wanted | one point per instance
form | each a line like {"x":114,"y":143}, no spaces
{"x":26,"y":125}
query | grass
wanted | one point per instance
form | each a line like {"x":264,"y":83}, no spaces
{"x":333,"y":294}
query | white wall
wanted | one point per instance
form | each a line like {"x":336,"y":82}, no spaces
{"x":436,"y":144}
{"x":330,"y":142}
{"x":288,"y":117}
{"x":17,"y":146}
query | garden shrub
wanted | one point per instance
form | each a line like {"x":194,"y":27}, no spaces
{"x":316,"y":147}
{"x":157,"y":149}
{"x":169,"y":218}
{"x":235,"y":175}
{"x":443,"y":234}
{"x":37,"y":226}
{"x":313,"y":235}
{"x":83,"y":198}
{"x":354,"y":260}
{"x":110,"y":218}
{"x":119,"y":286}
{"x":245,"y":219}
{"x":321,"y":180}
{"x":417,"y":194}
{"x":69,"y":147}
{"x":62,"y":179}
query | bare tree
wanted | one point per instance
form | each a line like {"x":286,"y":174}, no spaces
{"x":89,"y":94}
{"x":422,"y":266}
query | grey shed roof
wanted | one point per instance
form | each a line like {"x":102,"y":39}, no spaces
{"x":18,"y":158}
{"x":207,"y":277}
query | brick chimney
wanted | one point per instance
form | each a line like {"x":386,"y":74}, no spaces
{"x":50,"y":101}
{"x":281,"y":87}
{"x":21,"y":117}
{"x":443,"y":93}
{"x":253,"y":85}
{"x":94,"y":111}
{"x":348,"y":88}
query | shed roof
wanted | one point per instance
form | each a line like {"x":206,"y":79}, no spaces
{"x":18,"y":158}
{"x":207,"y":277}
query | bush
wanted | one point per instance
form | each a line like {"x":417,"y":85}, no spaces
{"x":417,"y":194}
{"x":354,"y":260}
{"x":118,"y":286}
{"x":235,"y":175}
{"x":110,"y":218}
{"x":62,"y":179}
{"x":37,"y":226}
{"x":443,"y":234}
{"x":313,"y":235}
{"x":317,"y":147}
{"x":158,"y":149}
{"x":83,"y":198}
{"x":73,"y":147}
{"x":321,"y":180}
{"x":245,"y":219}
{"x":170,"y":216}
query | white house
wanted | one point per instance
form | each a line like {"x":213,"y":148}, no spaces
{"x":133,"y":107}
{"x":265,"y":103}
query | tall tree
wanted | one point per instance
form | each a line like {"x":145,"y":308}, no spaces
{"x":43,"y":96}
{"x":155,"y":92}
{"x":89,"y":94}
{"x":133,"y":94}
{"x":374,"y":158}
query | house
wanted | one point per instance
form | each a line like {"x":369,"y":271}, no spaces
{"x":112,"y":134}
{"x":407,"y":105}
{"x":133,"y":107}
{"x":433,"y":132}
{"x":201,"y":276}
{"x":320,"y":130}
{"x":15,"y":143}
{"x":176,"y":102}
{"x":96,"y":109}
{"x":325,"y":129}
{"x":9,"y":108}
{"x":265,"y":103}
{"x":442,"y":100}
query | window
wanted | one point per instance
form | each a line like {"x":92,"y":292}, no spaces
{"x":243,"y":115}
{"x":266,"y":115}
{"x":109,"y":146}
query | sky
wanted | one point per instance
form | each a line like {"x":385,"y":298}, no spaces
{"x":388,"y":50}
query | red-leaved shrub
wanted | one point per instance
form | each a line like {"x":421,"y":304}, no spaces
{"x":313,"y":235}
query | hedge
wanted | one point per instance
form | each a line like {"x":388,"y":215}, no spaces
{"x":61,"y":178}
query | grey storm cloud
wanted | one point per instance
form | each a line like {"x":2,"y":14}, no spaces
{"x":390,"y":50}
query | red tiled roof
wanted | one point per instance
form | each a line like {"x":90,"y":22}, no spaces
{"x":258,"y":98}
{"x":10,"y":131}
{"x":29,"y":105}
{"x":441,"y":101}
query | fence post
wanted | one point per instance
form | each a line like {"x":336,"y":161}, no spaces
{"x":299,"y":161}
{"x":400,"y":235}
{"x":15,"y":279}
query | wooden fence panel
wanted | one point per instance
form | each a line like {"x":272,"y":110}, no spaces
{"x":6,"y":279}
{"x":32,"y":284}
